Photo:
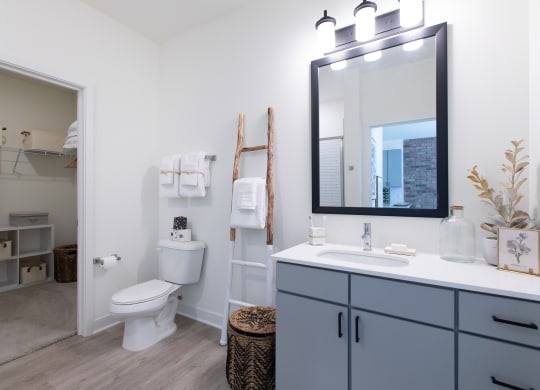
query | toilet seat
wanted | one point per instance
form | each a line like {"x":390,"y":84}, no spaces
{"x":146,"y":297}
{"x":143,"y":292}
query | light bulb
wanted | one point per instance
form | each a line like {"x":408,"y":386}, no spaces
{"x":414,"y":45}
{"x":364,"y":15}
{"x":338,"y":65}
{"x":373,"y":56}
{"x":326,"y":34}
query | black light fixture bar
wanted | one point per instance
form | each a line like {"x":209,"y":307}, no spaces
{"x":385,"y":25}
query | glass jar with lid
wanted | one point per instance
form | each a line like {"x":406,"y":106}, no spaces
{"x":457,"y":237}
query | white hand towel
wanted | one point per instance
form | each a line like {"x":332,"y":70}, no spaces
{"x":246,"y":193}
{"x":246,"y":218}
{"x":191,"y":171}
{"x":192,"y":175}
{"x":206,"y":173}
{"x":166,"y":170}
{"x":172,"y":190}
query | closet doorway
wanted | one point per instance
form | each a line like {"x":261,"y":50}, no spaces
{"x":34,"y":180}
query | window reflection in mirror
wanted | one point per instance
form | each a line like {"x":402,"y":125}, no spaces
{"x":404,"y":165}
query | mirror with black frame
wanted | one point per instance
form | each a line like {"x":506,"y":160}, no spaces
{"x":380,"y":127}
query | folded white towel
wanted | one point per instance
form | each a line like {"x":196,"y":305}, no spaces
{"x":190,"y":170}
{"x":250,"y":218}
{"x":172,"y":190}
{"x":72,"y":136}
{"x":166,"y":170}
{"x":192,"y":175}
{"x":246,"y":193}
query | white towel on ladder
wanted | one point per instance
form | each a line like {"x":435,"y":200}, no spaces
{"x":245,"y":217}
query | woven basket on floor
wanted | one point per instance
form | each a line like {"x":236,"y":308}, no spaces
{"x":65,"y":263}
{"x":251,"y":343}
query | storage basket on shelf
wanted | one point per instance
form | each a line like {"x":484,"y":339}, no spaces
{"x":65,"y":263}
{"x":251,"y":343}
{"x":32,"y":272}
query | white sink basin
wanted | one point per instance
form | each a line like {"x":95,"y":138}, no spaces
{"x":369,"y":258}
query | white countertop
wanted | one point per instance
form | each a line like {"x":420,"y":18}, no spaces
{"x":423,"y":268}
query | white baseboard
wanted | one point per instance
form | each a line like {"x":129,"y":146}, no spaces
{"x":205,"y":316}
{"x":103,"y":323}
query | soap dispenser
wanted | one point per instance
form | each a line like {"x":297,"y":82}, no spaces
{"x":316,"y":235}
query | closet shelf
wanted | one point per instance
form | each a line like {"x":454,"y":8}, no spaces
{"x":34,"y":152}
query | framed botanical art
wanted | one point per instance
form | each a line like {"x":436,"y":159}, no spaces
{"x":518,"y":250}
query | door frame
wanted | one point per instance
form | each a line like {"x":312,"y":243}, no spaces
{"x":85,"y":190}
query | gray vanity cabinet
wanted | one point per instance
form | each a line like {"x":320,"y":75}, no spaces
{"x":499,"y":343}
{"x":311,"y":353}
{"x":344,"y":330}
{"x":402,"y":335}
{"x":311,"y":329}
{"x":398,"y":336}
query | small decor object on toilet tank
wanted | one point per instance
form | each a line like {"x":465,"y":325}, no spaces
{"x":504,"y":201}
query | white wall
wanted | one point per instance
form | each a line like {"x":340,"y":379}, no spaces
{"x":252,"y":59}
{"x":71,"y":41}
{"x":39,"y":183}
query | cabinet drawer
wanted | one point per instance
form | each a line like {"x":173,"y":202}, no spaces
{"x":427,"y":304}
{"x":486,"y":364}
{"x":326,"y":285}
{"x":503,"y":318}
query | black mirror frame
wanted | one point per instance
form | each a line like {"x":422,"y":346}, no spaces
{"x":438,"y":31}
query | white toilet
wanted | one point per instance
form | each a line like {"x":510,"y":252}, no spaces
{"x":148,"y":308}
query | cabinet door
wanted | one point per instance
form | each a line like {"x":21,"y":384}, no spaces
{"x":486,"y":364}
{"x":311,"y":349}
{"x":389,"y":354}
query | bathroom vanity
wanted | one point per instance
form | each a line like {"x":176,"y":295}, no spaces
{"x":347,"y":321}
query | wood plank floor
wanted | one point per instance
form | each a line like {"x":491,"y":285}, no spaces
{"x":189,"y":359}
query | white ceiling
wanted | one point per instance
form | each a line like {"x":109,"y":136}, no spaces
{"x":161,"y":20}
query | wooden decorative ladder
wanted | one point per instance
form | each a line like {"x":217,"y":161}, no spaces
{"x":267,"y":265}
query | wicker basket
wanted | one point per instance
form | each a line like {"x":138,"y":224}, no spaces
{"x":251,"y":343}
{"x":65,"y":263}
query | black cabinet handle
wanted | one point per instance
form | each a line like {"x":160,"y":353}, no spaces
{"x":340,"y":320}
{"x":507,"y":385}
{"x":532,"y":325}
{"x":357,"y":336}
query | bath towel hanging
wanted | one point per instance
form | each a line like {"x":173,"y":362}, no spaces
{"x":246,"y":203}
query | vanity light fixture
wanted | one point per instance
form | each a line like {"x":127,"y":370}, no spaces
{"x":326,"y":33}
{"x":368,"y":26}
{"x":364,"y":16}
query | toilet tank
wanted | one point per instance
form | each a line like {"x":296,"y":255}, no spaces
{"x":180,"y":262}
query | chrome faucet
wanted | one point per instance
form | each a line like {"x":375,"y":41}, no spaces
{"x":367,"y":236}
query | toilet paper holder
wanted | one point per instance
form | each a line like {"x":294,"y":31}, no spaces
{"x":99,"y":260}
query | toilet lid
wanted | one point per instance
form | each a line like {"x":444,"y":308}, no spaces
{"x":142,"y":292}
